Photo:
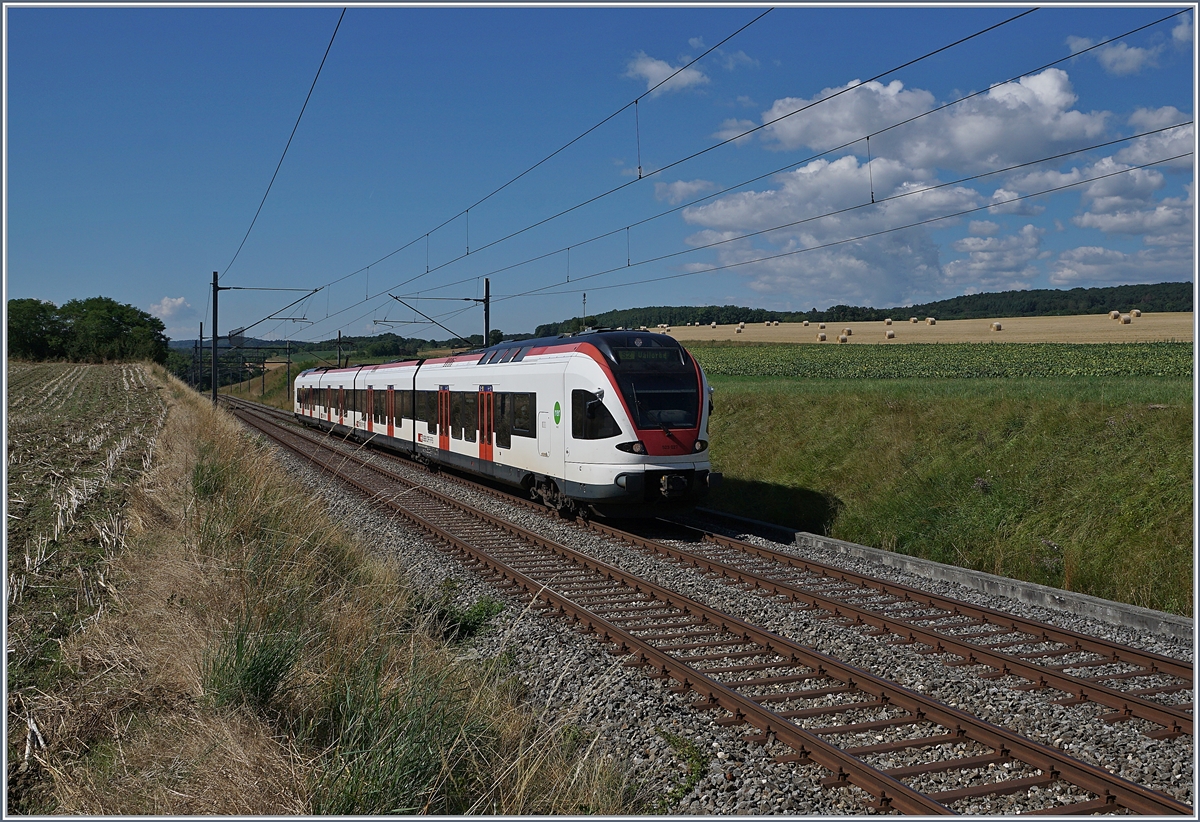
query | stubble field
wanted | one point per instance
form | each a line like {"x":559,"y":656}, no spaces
{"x":1085,"y":328}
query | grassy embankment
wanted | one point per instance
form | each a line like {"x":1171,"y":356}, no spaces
{"x":253,"y":658}
{"x":1080,"y":482}
{"x":1080,"y":478}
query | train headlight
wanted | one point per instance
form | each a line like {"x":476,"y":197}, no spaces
{"x":701,"y":445}
{"x":638,"y":447}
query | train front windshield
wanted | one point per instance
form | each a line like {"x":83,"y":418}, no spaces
{"x":659,"y":385}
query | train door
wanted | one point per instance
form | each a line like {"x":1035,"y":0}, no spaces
{"x":328,"y":404}
{"x":341,"y":405}
{"x":443,"y":410}
{"x":543,"y":433}
{"x":369,"y":411}
{"x":487,"y":422}
{"x":391,"y":411}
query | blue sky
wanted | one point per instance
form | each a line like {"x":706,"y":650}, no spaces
{"x":140,"y":142}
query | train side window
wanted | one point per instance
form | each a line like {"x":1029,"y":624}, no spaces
{"x":379,"y":400}
{"x":521,"y":354}
{"x":402,"y":407}
{"x":470,"y":415}
{"x":504,"y":420}
{"x":456,"y":415}
{"x":590,"y":419}
{"x":427,"y":410}
{"x":508,"y":354}
{"x":523,"y":414}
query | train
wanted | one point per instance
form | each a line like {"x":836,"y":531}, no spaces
{"x":604,"y":422}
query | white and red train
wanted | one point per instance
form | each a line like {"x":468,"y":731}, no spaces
{"x":614,"y":421}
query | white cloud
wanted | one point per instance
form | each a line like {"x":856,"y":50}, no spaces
{"x":654,"y":71}
{"x":731,"y":60}
{"x":172,"y":308}
{"x":843,"y":118}
{"x":680,"y":190}
{"x":1005,"y":202}
{"x":1182,"y":33}
{"x":1155,"y":147}
{"x":1120,"y":191}
{"x":731,"y":128}
{"x":889,"y":268}
{"x":1010,"y":123}
{"x":996,"y":263}
{"x":1078,"y":44}
{"x":1119,"y":59}
{"x":1146,"y":119}
{"x":983,"y":228}
{"x":1167,"y":223}
{"x":744,"y":100}
{"x":1096,"y":264}
{"x":697,"y":43}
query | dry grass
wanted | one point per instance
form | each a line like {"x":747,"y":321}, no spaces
{"x":1087,"y":328}
{"x":373,"y":713}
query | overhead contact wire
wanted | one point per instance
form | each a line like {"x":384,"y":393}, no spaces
{"x":286,"y":147}
{"x":546,"y":292}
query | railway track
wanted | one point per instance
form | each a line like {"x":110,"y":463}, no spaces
{"x":1071,"y":667}
{"x":823,"y":710}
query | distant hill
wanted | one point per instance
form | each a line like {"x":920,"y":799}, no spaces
{"x":1036,"y":303}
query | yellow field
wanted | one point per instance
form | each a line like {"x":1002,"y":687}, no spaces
{"x":1084,"y":328}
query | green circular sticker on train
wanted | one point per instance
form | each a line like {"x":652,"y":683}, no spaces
{"x":557,"y":413}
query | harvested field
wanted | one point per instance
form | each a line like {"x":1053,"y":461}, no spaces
{"x":1085,"y":328}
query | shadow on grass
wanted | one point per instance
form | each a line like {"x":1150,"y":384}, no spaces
{"x":801,"y":509}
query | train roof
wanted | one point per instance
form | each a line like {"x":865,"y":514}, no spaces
{"x":605,"y":339}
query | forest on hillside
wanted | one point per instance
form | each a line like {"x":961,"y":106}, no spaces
{"x":1044,"y":302}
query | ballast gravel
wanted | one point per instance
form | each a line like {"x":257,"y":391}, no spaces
{"x":570,"y":678}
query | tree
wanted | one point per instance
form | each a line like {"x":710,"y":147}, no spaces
{"x":35,"y":330}
{"x":100,"y":329}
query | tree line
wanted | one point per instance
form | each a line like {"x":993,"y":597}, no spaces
{"x":1044,"y":302}
{"x":98,"y":329}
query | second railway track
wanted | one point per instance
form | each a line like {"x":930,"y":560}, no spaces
{"x":791,"y":694}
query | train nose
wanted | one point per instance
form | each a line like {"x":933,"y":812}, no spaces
{"x":673,"y":485}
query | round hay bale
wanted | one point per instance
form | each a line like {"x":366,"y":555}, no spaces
{"x":843,"y":338}
{"x":889,"y":334}
{"x":820,"y":338}
{"x":775,"y":323}
{"x":1114,"y":315}
{"x":930,"y":321}
{"x":714,"y":325}
{"x":912,"y":319}
{"x":996,"y":327}
{"x":1124,"y":319}
{"x":806,"y":323}
{"x":739,"y":330}
{"x":888,"y":321}
{"x":847,"y":331}
{"x":821,"y":326}
{"x":1137,"y":312}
